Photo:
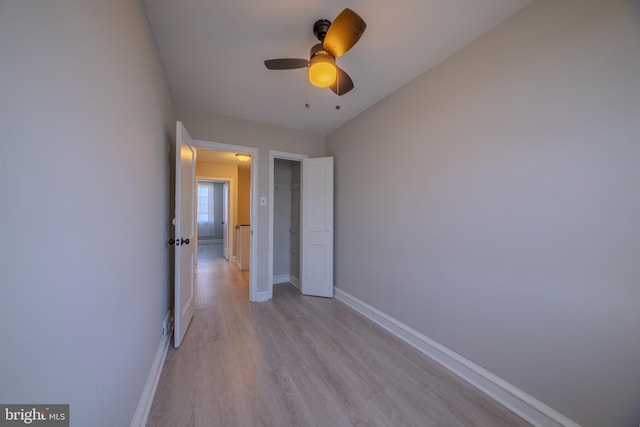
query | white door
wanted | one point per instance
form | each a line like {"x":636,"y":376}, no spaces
{"x":225,"y":220}
{"x":317,"y":227}
{"x":184,"y":295}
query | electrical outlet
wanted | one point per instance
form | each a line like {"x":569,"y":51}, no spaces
{"x":166,"y":324}
{"x":165,"y":328}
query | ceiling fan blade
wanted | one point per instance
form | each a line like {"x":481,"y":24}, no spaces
{"x":345,"y":31}
{"x":286,"y":63}
{"x":343,"y":83}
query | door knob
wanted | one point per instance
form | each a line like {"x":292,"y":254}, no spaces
{"x":178,"y":242}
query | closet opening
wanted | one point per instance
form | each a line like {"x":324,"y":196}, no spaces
{"x":286,"y":222}
{"x":300,"y":223}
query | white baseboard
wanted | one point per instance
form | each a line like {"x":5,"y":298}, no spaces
{"x":262,"y":296}
{"x":286,"y":278}
{"x":146,"y":399}
{"x":281,"y":278}
{"x":294,"y":281}
{"x":526,"y":406}
{"x":210,"y":242}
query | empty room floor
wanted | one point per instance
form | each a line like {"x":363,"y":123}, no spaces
{"x":302,"y":361}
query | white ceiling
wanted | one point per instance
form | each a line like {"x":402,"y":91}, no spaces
{"x":213,"y":52}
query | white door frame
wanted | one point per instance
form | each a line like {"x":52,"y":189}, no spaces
{"x":272,"y":156}
{"x":230,"y":182}
{"x":254,"y":152}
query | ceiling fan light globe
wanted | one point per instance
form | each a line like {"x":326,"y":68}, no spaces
{"x":322,"y":71}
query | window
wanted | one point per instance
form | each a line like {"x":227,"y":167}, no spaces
{"x":205,"y":209}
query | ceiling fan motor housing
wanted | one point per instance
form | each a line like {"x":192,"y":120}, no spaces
{"x":320,"y":28}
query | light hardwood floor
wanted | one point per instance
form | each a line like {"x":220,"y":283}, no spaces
{"x":302,"y":361}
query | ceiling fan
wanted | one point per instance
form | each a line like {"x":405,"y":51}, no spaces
{"x":335,"y":40}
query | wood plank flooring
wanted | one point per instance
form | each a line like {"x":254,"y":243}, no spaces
{"x":302,"y":361}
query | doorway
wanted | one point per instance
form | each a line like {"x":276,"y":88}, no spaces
{"x":284,"y":263}
{"x":212,"y":213}
{"x":218,"y":162}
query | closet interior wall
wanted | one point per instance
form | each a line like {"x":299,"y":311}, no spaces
{"x":286,"y":226}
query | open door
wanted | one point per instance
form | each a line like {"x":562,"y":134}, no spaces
{"x":317,"y":227}
{"x":184,"y":222}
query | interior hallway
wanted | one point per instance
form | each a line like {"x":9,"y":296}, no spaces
{"x":302,"y":361}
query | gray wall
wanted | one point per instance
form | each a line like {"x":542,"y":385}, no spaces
{"x":211,"y":127}
{"x":85,"y":113}
{"x":493,"y":204}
